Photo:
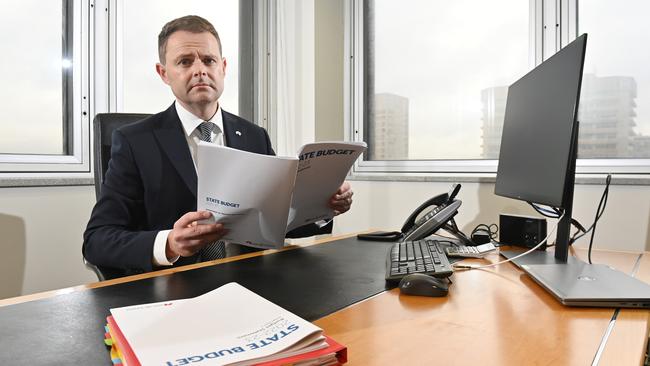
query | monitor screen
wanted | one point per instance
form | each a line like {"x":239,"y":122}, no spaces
{"x":536,"y":143}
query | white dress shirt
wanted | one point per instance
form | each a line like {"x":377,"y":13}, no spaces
{"x":190,"y":124}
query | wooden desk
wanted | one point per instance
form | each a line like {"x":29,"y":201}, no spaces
{"x":67,"y":327}
{"x":493,"y":317}
{"x":627,"y":342}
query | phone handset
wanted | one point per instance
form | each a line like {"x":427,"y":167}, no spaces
{"x":435,"y":201}
{"x":444,"y":208}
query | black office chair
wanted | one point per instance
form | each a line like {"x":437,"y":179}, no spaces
{"x":103,"y":126}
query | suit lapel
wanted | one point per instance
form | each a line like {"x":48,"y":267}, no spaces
{"x":234,"y":137}
{"x":171,"y":136}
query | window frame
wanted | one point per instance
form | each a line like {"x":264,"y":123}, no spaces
{"x":553,"y":24}
{"x":77,"y":109}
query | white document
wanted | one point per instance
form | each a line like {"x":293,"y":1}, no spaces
{"x":322,"y":168}
{"x":251,"y":194}
{"x":229,"y":325}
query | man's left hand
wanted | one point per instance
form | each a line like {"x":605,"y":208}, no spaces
{"x":341,"y":201}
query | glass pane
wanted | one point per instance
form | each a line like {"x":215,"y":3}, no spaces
{"x":31,"y":86}
{"x":614,"y":110}
{"x":143,"y":91}
{"x":437,"y":74}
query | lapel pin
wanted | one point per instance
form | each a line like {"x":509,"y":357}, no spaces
{"x":237,"y":133}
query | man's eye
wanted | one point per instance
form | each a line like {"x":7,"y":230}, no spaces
{"x":185,"y":62}
{"x":209,"y":61}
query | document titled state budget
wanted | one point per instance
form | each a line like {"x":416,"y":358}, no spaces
{"x":259,"y":198}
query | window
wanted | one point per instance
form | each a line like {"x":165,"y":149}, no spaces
{"x":429,"y":80}
{"x":44,"y":88}
{"x":436,"y":75}
{"x":615,"y":100}
{"x":139,"y":88}
{"x":72,"y":59}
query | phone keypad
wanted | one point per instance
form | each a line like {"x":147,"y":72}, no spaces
{"x":468,"y":251}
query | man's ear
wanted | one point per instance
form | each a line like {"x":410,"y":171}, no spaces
{"x":223,"y":61}
{"x":162,"y":71}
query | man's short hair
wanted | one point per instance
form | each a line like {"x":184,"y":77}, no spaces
{"x":189,"y":23}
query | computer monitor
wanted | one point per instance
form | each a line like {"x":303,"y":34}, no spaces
{"x":537,"y":164}
{"x":539,"y":142}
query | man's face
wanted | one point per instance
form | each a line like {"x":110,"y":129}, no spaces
{"x":193,"y":68}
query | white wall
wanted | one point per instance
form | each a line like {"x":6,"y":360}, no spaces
{"x":385,"y":205}
{"x":41,"y":235}
{"x":42,"y":227}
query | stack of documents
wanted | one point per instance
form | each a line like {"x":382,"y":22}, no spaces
{"x":227,"y":326}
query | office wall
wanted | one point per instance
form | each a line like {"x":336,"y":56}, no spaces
{"x":328,"y":40}
{"x":42,"y":227}
{"x":625,"y":225}
{"x":40,"y":242}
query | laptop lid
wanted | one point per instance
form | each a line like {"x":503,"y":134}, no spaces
{"x":583,"y":284}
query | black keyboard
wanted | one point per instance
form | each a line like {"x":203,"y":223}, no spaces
{"x":425,"y":256}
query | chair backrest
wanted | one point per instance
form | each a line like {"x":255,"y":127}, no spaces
{"x":103,"y":126}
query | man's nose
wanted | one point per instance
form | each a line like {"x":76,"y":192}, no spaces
{"x":199,"y":69}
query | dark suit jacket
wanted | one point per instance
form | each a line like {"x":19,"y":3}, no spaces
{"x":150,"y":183}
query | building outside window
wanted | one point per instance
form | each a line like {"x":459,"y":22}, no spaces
{"x":436,"y":76}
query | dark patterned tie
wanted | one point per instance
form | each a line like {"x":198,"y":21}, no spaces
{"x":206,"y":131}
{"x":217,"y":249}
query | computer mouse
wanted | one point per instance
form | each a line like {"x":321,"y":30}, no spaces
{"x":419,"y":284}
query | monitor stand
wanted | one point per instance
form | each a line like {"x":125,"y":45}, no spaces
{"x":577,"y":283}
{"x":536,"y":257}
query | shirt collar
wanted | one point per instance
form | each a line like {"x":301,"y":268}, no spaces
{"x":190,"y":122}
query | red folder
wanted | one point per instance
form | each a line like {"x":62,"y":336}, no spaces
{"x":339,"y":350}
{"x":122,"y":344}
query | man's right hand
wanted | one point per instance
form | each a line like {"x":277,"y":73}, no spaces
{"x":188,"y":236}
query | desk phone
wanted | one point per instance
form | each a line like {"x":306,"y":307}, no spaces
{"x":436,"y":213}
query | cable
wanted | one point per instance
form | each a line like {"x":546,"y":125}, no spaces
{"x":492,"y":230}
{"x":605,"y":193}
{"x":599,"y":213}
{"x":575,"y":236}
{"x":552,"y":212}
{"x":484,"y":233}
{"x":468,"y":267}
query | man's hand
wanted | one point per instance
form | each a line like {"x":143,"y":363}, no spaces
{"x":188,"y":236}
{"x":341,"y":201}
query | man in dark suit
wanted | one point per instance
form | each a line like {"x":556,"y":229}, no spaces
{"x":146,"y":216}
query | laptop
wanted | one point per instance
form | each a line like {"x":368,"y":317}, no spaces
{"x":596,"y":285}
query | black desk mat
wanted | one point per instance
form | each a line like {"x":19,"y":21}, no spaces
{"x":311,"y":282}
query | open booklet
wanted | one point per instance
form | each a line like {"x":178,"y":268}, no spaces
{"x":259,"y":198}
{"x":230,"y":325}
